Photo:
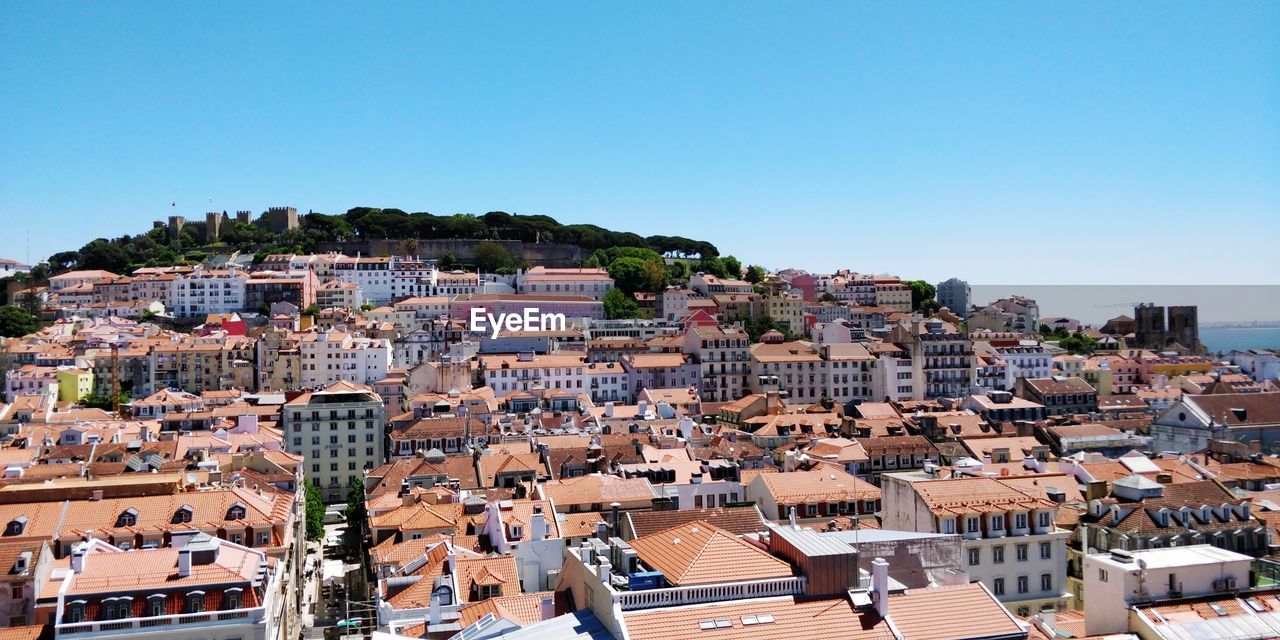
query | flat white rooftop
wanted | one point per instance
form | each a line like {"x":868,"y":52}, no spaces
{"x":1174,"y":557}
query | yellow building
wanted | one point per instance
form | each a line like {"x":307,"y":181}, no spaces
{"x":787,"y":311}
{"x":74,"y":383}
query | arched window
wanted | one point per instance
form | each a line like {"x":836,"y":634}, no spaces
{"x":155,"y":605}
{"x":234,"y":599}
{"x":16,"y":526}
{"x":183,"y":514}
{"x":117,"y":608}
{"x":74,"y":612}
{"x":195,"y":602}
{"x":127,"y":518}
{"x":236,"y":512}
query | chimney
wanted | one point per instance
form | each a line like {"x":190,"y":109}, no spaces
{"x":792,"y":516}
{"x":547,"y":607}
{"x":184,"y":562}
{"x":538,"y":523}
{"x":880,"y":585}
{"x":77,"y":557}
{"x":434,"y":614}
{"x":613,"y":509}
{"x":602,"y":531}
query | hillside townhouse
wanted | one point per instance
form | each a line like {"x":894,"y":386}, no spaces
{"x":385,"y":279}
{"x":893,"y":377}
{"x":733,"y":306}
{"x":660,"y":370}
{"x":893,"y":294}
{"x":1010,"y":541}
{"x":425,"y":308}
{"x":572,"y":307}
{"x":525,"y":372}
{"x":29,"y":379}
{"x":941,"y":358}
{"x":330,"y":356}
{"x":787,"y":311}
{"x":608,"y":382}
{"x":591,"y":283}
{"x":203,"y":364}
{"x":1027,"y":359}
{"x":808,"y":373}
{"x":453,"y":283}
{"x":1191,"y":423}
{"x":827,"y":312}
{"x":160,"y":287}
{"x":340,"y":432}
{"x":1015,"y":313}
{"x":71,"y":279}
{"x":846,"y":286}
{"x":205,"y":291}
{"x":279,"y":360}
{"x":266,"y":288}
{"x":339,"y":294}
{"x":1060,"y":396}
{"x":722,"y":357}
{"x":117,"y":289}
{"x":708,"y":285}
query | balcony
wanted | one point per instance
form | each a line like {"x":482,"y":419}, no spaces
{"x":155,"y":623}
{"x":675,"y":596}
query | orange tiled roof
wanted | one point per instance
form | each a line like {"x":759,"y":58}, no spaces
{"x":699,"y":553}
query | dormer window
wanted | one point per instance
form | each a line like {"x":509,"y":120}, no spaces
{"x":183,"y":514}
{"x":127,"y":518}
{"x":16,"y":526}
{"x":236,"y":512}
{"x":517,"y":532}
{"x":155,"y":605}
{"x":234,"y":599}
{"x":195,"y":602}
{"x":74,"y":612}
{"x":117,"y":608}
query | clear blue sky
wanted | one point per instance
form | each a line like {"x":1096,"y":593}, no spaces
{"x":1025,"y":142}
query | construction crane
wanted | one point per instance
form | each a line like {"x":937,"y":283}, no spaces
{"x":115,"y":379}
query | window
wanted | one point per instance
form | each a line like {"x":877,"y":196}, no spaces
{"x":1046,"y":582}
{"x":195,"y":602}
{"x":236,"y":512}
{"x":16,"y":591}
{"x":1020,"y":521}
{"x":997,"y":522}
{"x":1102,"y":575}
{"x":127,"y":518}
{"x":949,"y":525}
{"x":75,"y":612}
{"x":1022,"y":584}
{"x":233,"y":599}
{"x":997,"y":554}
{"x":998,"y":586}
{"x":975,"y":556}
{"x":183,"y":514}
{"x":16,"y":526}
{"x":1021,"y":551}
{"x":973,"y":524}
{"x":1046,"y":550}
{"x":1044,"y":519}
{"x":263,"y":538}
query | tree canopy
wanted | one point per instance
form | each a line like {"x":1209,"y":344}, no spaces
{"x":16,"y":322}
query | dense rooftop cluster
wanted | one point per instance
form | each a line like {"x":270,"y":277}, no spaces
{"x":758,"y":455}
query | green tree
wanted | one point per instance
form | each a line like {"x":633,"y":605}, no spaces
{"x":366,"y":307}
{"x":492,"y":257}
{"x":311,"y":310}
{"x":630,"y":274}
{"x":315,"y":512}
{"x":732,"y":267}
{"x":755,"y":274}
{"x":95,"y":401}
{"x":920,"y":292}
{"x":620,"y":305}
{"x":16,"y":322}
{"x":147,"y":316}
{"x":357,"y":515}
{"x":827,"y":297}
{"x":447,"y":261}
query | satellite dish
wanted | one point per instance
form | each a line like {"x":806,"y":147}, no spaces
{"x":191,"y":478}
